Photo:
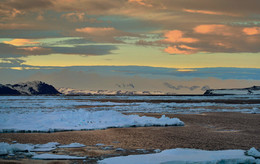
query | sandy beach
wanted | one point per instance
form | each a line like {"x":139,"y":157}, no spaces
{"x":207,"y":131}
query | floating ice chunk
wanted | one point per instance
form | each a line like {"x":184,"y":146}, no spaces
{"x":5,"y":148}
{"x":176,"y":156}
{"x":77,"y":120}
{"x":54,"y":156}
{"x":22,"y":147}
{"x":253,"y":152}
{"x":72,"y":145}
{"x":157,"y":150}
{"x":100,"y":144}
{"x":47,"y":145}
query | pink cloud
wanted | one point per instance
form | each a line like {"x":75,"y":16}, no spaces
{"x":176,"y":36}
{"x":181,"y":49}
{"x":96,"y":30}
{"x":214,"y":29}
{"x":252,"y":30}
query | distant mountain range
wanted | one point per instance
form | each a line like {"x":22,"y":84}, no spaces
{"x":70,"y":91}
{"x":41,"y":88}
{"x":236,"y":91}
{"x":28,"y":88}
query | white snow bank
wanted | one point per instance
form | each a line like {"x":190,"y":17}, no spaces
{"x":184,"y":156}
{"x":253,"y":152}
{"x":72,"y":145}
{"x":54,"y":156}
{"x":76,"y":120}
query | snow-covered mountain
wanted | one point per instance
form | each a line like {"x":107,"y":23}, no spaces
{"x":70,"y":91}
{"x":4,"y":90}
{"x":28,"y":88}
{"x":236,"y":91}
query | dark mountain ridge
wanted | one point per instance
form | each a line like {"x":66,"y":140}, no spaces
{"x":28,"y":88}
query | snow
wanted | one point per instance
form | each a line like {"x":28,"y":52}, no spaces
{"x":253,"y":152}
{"x":21,"y":147}
{"x":77,"y":120}
{"x":72,"y":145}
{"x":6,"y":148}
{"x":26,"y":87}
{"x":45,"y":147}
{"x":184,"y":156}
{"x":11,"y":149}
{"x":71,"y":91}
{"x":234,"y":91}
{"x":48,"y":145}
{"x":54,"y":156}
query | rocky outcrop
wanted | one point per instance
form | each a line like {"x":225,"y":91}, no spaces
{"x":29,"y":88}
{"x":237,"y":91}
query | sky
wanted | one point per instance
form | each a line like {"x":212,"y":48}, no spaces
{"x":177,"y":46}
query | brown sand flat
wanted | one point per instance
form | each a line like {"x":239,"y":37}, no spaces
{"x":208,"y":131}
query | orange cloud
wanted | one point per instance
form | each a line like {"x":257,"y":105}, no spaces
{"x":31,"y":48}
{"x":176,"y":36}
{"x":96,"y":30}
{"x":20,"y":42}
{"x":208,"y":12}
{"x":252,"y":30}
{"x":181,"y":49}
{"x":214,"y":29}
{"x":35,"y":50}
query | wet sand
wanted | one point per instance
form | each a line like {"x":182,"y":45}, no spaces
{"x":208,"y":131}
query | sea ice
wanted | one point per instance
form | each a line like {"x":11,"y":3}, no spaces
{"x":253,"y":152}
{"x":72,"y":145}
{"x":77,"y":120}
{"x":184,"y":156}
{"x":54,"y":156}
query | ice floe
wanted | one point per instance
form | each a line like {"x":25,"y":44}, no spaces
{"x":253,"y":152}
{"x":77,"y":120}
{"x":184,"y":156}
{"x":55,"y":156}
{"x":72,"y":145}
